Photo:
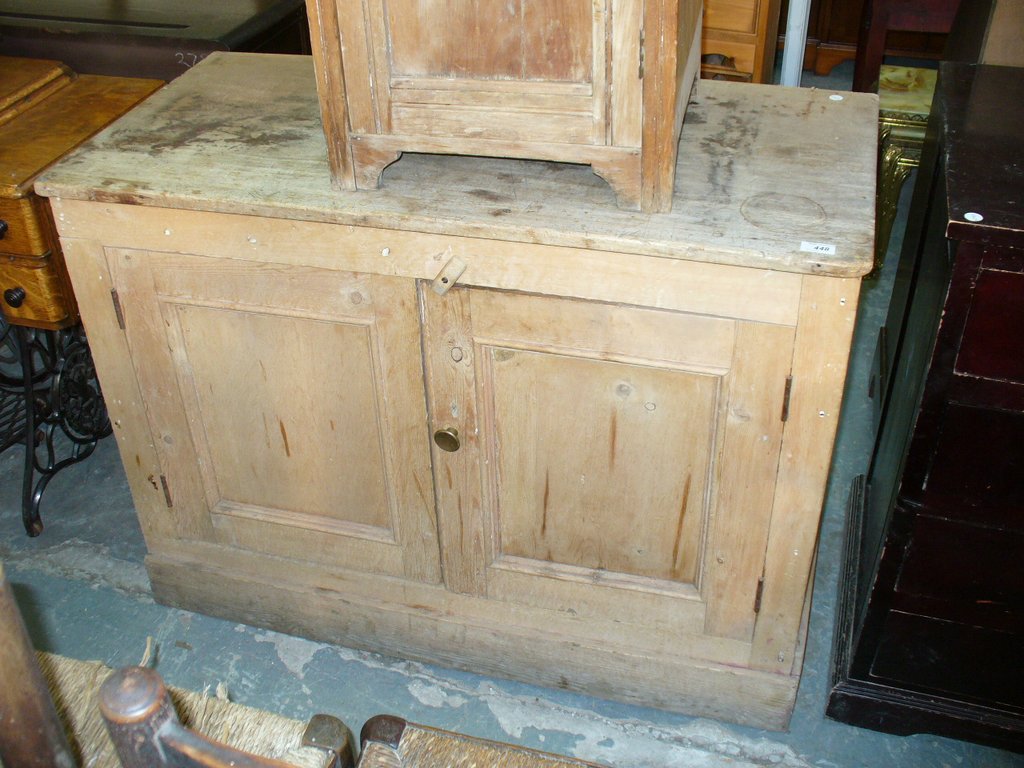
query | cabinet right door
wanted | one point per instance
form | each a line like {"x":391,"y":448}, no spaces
{"x":614,"y":463}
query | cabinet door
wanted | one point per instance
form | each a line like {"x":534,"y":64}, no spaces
{"x":287,"y":408}
{"x":491,"y":69}
{"x":613,"y":462}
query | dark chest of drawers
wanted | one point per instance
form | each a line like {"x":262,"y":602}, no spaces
{"x":932,"y":621}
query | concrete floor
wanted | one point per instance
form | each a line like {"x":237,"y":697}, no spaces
{"x":84,"y":593}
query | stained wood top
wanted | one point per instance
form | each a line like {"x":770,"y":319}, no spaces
{"x":22,"y":79}
{"x":768,"y":177}
{"x":58,"y":123}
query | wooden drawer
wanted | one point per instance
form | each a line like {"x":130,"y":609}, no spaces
{"x":48,"y":301}
{"x":742,"y":31}
{"x":732,"y":15}
{"x":45,"y":111}
{"x":25,"y":233}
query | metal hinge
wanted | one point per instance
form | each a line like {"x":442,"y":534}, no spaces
{"x":785,"y":398}
{"x":117,"y":308}
{"x":757,"y":595}
{"x":640,"y":69}
{"x":167,"y":490}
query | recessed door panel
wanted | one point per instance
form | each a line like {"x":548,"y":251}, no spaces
{"x":270,"y":443}
{"x":591,"y":466}
{"x":491,"y":39}
{"x":502,"y":70}
{"x":289,"y":407}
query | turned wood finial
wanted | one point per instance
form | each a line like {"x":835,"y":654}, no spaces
{"x":146,"y":731}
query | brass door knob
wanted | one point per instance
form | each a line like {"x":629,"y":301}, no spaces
{"x":447,"y":439}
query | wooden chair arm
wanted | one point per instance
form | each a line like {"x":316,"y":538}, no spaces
{"x":147,"y":733}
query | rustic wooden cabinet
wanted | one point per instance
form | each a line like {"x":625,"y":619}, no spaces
{"x":480,"y":416}
{"x":603,"y":84}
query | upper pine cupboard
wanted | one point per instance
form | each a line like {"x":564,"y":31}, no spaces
{"x":603,"y":84}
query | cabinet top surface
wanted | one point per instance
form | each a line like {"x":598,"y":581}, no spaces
{"x":768,"y":177}
{"x":982,"y":110}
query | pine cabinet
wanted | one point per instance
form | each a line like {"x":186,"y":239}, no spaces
{"x":480,"y":416}
{"x":600,"y":83}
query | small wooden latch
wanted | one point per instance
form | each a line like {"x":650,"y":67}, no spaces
{"x":448,"y":276}
{"x":758,"y":594}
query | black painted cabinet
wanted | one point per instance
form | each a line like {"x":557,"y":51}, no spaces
{"x":148,"y":38}
{"x":931,"y":617}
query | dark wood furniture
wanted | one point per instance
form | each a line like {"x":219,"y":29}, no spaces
{"x":880,"y":17}
{"x":931,"y":616}
{"x":833,"y":29}
{"x":145,"y":38}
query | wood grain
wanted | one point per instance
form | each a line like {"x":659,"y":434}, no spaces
{"x":485,"y":638}
{"x":54,"y":126}
{"x":645,"y":281}
{"x":827,"y":311}
{"x":744,"y":31}
{"x":761,"y":170}
{"x":334,"y":110}
{"x":87,"y":264}
{"x":47,"y":301}
{"x":25,"y":82}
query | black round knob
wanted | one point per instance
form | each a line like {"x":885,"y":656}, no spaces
{"x":15,"y":296}
{"x":4,"y":226}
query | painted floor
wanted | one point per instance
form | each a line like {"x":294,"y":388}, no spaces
{"x":84,"y":593}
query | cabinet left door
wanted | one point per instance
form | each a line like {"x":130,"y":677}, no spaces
{"x":286,"y":407}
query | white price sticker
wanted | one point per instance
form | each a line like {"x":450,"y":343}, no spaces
{"x":825,"y":249}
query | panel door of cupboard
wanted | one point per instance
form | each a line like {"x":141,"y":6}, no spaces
{"x":488,"y":69}
{"x":286,"y":406}
{"x":613,"y":462}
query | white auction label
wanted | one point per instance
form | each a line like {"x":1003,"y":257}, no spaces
{"x":825,"y":249}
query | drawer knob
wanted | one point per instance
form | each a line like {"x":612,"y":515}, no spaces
{"x":447,"y":439}
{"x":4,"y":226}
{"x":15,"y":297}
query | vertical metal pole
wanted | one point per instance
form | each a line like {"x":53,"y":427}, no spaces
{"x":796,"y":41}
